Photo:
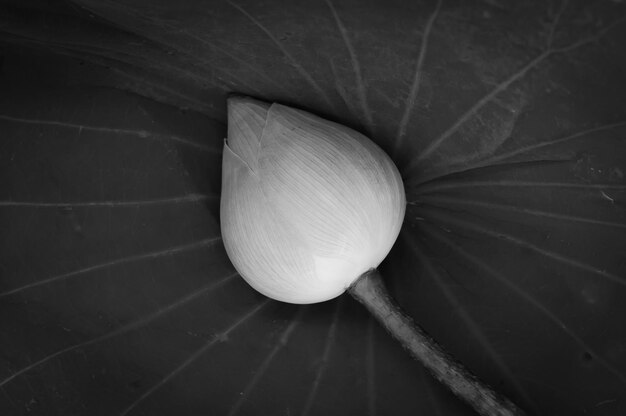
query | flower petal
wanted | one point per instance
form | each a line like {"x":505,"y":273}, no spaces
{"x":246,"y":120}
{"x":340,"y":191}
{"x":267,"y":253}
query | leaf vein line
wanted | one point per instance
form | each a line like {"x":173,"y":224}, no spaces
{"x":193,"y":357}
{"x":430,"y":188}
{"x":528,"y":298}
{"x":523,"y":243}
{"x":529,"y":211}
{"x":285,"y":52}
{"x":360,"y":84}
{"x":469,"y":113}
{"x":112,"y":263}
{"x":503,"y":85}
{"x":109,"y":204}
{"x":134,"y":13}
{"x":324,"y":363}
{"x":471,"y":324}
{"x":264,"y":366}
{"x":138,"y":133}
{"x":371,"y":368}
{"x":573,"y":136}
{"x":124,"y":329}
{"x":415,"y":85}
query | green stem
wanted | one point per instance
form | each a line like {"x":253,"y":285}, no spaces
{"x":370,"y":290}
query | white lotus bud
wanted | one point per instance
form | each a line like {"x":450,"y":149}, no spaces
{"x":307,"y":205}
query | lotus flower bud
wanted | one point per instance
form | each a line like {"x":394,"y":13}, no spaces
{"x":307,"y":205}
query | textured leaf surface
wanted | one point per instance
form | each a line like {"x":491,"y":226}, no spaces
{"x":508,"y":123}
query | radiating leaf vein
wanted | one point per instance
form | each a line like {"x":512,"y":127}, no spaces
{"x":432,"y":187}
{"x":137,"y":14}
{"x":360,"y":84}
{"x":569,"y":137}
{"x":502,"y":86}
{"x":112,"y":263}
{"x":528,"y":298}
{"x":483,"y":169}
{"x":264,"y":366}
{"x":521,"y":210}
{"x":469,"y":322}
{"x":417,"y":75}
{"x":330,"y":339}
{"x":111,"y":130}
{"x":108,"y":204}
{"x":179,"y":30}
{"x":371,"y":368}
{"x":526,"y":244}
{"x":125,"y":328}
{"x":303,"y":72}
{"x":194,"y":356}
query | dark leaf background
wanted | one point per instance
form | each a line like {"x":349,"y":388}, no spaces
{"x":507,"y":120}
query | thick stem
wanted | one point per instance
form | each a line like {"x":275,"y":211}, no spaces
{"x":370,"y":290}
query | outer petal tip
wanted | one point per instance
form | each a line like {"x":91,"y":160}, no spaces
{"x":246,"y":121}
{"x":242,"y":106}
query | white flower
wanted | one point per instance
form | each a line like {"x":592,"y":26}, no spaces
{"x":307,"y":205}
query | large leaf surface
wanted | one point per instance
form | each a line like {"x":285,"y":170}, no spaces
{"x":507,"y":120}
